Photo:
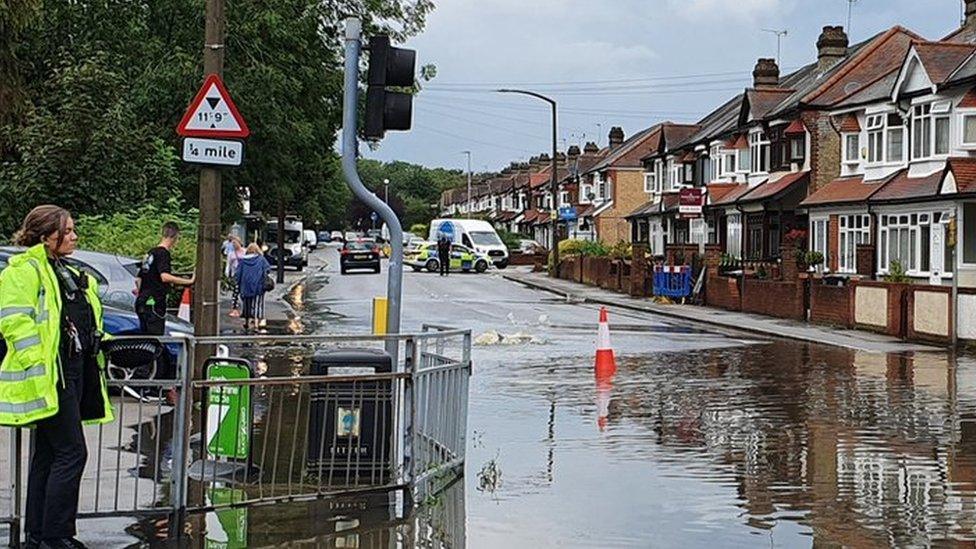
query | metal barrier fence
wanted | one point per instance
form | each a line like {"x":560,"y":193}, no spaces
{"x":308,"y":436}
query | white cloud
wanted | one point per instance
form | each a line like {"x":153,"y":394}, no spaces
{"x":724,"y":9}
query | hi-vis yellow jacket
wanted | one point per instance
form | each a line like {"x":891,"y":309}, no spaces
{"x":30,"y":321}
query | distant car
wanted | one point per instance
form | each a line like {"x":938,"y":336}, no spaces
{"x":116,"y":274}
{"x":337,"y":236}
{"x":462,"y":259}
{"x":324,"y":236}
{"x":359,"y":254}
{"x":414,"y":243}
{"x":311,"y":239}
{"x":351,"y":235}
{"x":407,"y":237}
{"x":375,"y":234}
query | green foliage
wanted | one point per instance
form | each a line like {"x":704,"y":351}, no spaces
{"x":420,"y":229}
{"x":414,"y":190}
{"x":583,"y":247}
{"x":896,"y":273}
{"x":105,"y":83}
{"x":814,"y":259}
{"x":621,"y":250}
{"x":133,"y":233}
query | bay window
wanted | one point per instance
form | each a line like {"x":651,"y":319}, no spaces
{"x":854,"y":230}
{"x":733,"y":246}
{"x":930,"y":130}
{"x":650,"y":183}
{"x":728,"y":162}
{"x":916,"y":240}
{"x":698,"y":230}
{"x":585,"y":192}
{"x":895,"y":137}
{"x":798,"y":148}
{"x":886,"y":138}
{"x":758,"y":152}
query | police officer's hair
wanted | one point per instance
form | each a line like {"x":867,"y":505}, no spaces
{"x":40,"y":223}
{"x":171,"y":229}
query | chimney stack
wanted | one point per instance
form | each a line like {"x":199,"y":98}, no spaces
{"x":544,"y":160}
{"x":831,"y":47}
{"x":766,"y":74}
{"x":616,"y":136}
{"x":573,"y":153}
{"x":590,"y":148}
{"x":560,"y":158}
{"x":534,"y":162}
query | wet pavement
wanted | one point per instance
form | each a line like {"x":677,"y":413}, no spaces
{"x":702,"y":437}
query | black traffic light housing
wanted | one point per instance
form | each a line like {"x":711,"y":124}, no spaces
{"x":388,"y":67}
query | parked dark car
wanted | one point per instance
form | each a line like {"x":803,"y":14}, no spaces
{"x":359,"y":254}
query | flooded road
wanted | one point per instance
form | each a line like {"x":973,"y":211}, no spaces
{"x":700,"y":436}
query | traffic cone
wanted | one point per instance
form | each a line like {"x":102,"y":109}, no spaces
{"x":606,"y":364}
{"x":184,"y":313}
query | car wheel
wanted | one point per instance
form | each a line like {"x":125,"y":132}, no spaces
{"x":481,"y":266}
{"x":502,"y":264}
{"x":433,"y":265}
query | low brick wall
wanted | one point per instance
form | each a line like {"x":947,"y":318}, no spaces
{"x":723,"y":292}
{"x":881,"y":307}
{"x":832,"y":305}
{"x":518,"y":258}
{"x":595,"y":270}
{"x":781,"y":299}
{"x":929,"y":313}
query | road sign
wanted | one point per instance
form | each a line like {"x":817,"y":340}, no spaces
{"x":690,"y":203}
{"x":212,"y":113}
{"x":219,"y":152}
{"x":567,"y":213}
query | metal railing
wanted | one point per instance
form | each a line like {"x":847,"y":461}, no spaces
{"x":306,"y":436}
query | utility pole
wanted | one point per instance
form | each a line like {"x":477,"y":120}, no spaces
{"x":554,"y":182}
{"x":469,"y":208}
{"x":205,"y":299}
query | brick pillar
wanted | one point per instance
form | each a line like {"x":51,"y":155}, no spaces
{"x":866,"y":260}
{"x":713,"y":255}
{"x":638,"y":270}
{"x":787,"y":252}
{"x":825,"y":149}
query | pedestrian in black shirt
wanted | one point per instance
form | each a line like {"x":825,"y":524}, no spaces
{"x":154,"y":280}
{"x":444,"y":254}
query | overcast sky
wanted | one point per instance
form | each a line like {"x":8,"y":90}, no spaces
{"x":628,"y":63}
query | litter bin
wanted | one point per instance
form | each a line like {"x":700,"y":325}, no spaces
{"x":350,"y":423}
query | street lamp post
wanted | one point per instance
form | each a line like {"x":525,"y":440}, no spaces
{"x":386,"y":191}
{"x":554,"y":183}
{"x":469,"y":208}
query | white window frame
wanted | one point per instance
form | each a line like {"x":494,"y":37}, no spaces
{"x":650,"y":182}
{"x":715,"y":167}
{"x":564,"y":198}
{"x":964,"y":115}
{"x":847,"y":137}
{"x":758,"y":144}
{"x":898,"y":226}
{"x":733,"y":229}
{"x":924,"y":130}
{"x":875,"y":125}
{"x":677,"y":174}
{"x":819,"y":236}
{"x":849,"y":237}
{"x":585,"y":190}
{"x":729,"y":156}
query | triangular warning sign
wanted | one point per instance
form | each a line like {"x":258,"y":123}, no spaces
{"x":212,"y":113}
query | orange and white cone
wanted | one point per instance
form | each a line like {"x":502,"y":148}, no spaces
{"x":606,"y":364}
{"x":184,"y":313}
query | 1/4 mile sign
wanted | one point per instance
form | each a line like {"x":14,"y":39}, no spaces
{"x":212,"y":127}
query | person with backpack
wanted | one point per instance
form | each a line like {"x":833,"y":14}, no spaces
{"x":52,"y":377}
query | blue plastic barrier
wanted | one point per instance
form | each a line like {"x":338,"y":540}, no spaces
{"x":673,"y":282}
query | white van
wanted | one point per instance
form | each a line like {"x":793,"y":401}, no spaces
{"x":311,"y":239}
{"x":295,"y":253}
{"x":475,"y":234}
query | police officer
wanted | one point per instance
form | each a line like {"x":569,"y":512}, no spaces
{"x":53,"y":375}
{"x":444,"y":254}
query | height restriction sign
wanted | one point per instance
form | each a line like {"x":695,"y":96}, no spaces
{"x":212,"y":113}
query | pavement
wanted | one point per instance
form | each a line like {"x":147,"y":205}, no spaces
{"x":852,"y":339}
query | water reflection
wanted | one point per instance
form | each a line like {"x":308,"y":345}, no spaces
{"x":852,"y":448}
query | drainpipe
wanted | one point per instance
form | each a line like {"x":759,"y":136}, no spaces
{"x":954,"y":302}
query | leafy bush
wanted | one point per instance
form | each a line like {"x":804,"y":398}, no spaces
{"x":896,"y":273}
{"x":621,"y":250}
{"x":420,"y":229}
{"x":814,"y":259}
{"x":583,"y":247}
{"x":133,"y":233}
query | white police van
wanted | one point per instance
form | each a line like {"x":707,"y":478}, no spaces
{"x":473,"y":233}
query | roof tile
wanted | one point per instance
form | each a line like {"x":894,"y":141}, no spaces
{"x":773,"y":188}
{"x":842,"y":191}
{"x":901,"y":187}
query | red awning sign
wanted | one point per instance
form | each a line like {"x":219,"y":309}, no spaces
{"x":212,"y":113}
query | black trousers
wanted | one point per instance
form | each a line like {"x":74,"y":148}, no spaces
{"x":445,"y":262}
{"x":152,"y":320}
{"x":59,"y":456}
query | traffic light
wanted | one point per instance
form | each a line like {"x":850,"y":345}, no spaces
{"x":388,"y":67}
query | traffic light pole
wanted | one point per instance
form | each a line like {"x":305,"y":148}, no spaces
{"x":394,"y":285}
